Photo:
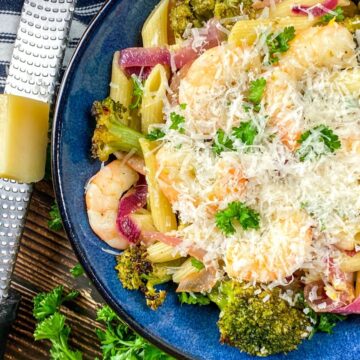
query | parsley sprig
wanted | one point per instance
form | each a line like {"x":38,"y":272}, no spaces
{"x":256,"y":90}
{"x":197,"y":264}
{"x":46,"y":304}
{"x":246,"y":132}
{"x":138,"y":91}
{"x":323,"y":322}
{"x":338,"y":16}
{"x":54,"y":329}
{"x":280,"y":43}
{"x":222,"y":142}
{"x":177,"y":122}
{"x":155,"y":134}
{"x":193,"y":299}
{"x":236,"y":210}
{"x":55,"y":222}
{"x":316,"y":142}
{"x":118,"y":341}
{"x":77,"y":271}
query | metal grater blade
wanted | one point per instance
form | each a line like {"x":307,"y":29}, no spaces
{"x":34,"y":69}
{"x":14,"y":199}
{"x":39,"y":48}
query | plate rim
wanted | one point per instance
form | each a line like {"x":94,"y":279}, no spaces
{"x":59,"y":193}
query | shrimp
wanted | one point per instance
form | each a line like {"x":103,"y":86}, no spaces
{"x":273,"y":254}
{"x":205,"y":86}
{"x":311,"y":48}
{"x":177,"y":174}
{"x":102,"y":200}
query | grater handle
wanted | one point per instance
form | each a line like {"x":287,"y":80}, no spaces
{"x":8,"y":311}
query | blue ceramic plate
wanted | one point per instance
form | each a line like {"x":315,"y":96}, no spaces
{"x":187,"y":332}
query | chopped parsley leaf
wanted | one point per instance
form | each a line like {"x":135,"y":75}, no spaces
{"x":46,"y":304}
{"x":193,"y":299}
{"x":182,"y":106}
{"x":338,"y":16}
{"x":222,"y":142}
{"x":77,"y":271}
{"x":197,"y":264}
{"x":236,"y":210}
{"x":155,"y":134}
{"x":316,"y":142}
{"x":177,"y":122}
{"x":246,"y":132}
{"x":138,"y":91}
{"x":256,"y":90}
{"x":280,"y":43}
{"x":55,"y":222}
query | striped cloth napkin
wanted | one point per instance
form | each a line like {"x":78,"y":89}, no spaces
{"x":9,"y":18}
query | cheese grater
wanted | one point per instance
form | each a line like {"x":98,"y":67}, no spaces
{"x":34,"y":69}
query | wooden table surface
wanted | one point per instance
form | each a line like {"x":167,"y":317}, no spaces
{"x":44,"y":261}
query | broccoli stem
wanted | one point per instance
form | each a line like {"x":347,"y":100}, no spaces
{"x":125,"y":138}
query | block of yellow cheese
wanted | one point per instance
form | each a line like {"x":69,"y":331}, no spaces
{"x":24,"y":125}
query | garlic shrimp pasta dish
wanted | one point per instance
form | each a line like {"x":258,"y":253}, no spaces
{"x":230,"y":144}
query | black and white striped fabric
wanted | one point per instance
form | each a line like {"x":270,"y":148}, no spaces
{"x":9,"y":18}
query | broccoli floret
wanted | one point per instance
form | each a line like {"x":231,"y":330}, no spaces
{"x":181,"y":16}
{"x":136,"y":272}
{"x":231,"y":8}
{"x":111,"y":134}
{"x":203,"y":9}
{"x":258,"y":321}
{"x":352,"y":23}
{"x":197,"y":12}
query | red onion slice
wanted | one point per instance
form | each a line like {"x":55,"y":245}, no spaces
{"x":203,"y":280}
{"x":315,"y":10}
{"x":145,"y":58}
{"x":133,"y":200}
{"x":353,"y":308}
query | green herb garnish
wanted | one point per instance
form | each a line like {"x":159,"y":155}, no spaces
{"x":236,"y":210}
{"x":54,"y":329}
{"x":77,"y":271}
{"x":155,"y":134}
{"x":280,"y":43}
{"x":339,"y":15}
{"x":316,"y":142}
{"x":46,"y":304}
{"x":118,"y":342}
{"x":222,"y":142}
{"x":246,"y":132}
{"x":177,"y":122}
{"x":256,"y":90}
{"x":197,"y":264}
{"x":55,"y":222}
{"x":193,"y":299}
{"x":138,"y":91}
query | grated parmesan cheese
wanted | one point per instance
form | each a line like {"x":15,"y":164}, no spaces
{"x":325,"y":190}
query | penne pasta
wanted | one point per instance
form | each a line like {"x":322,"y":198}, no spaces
{"x":155,"y":30}
{"x":153,"y":98}
{"x":121,"y":87}
{"x":160,"y":252}
{"x":350,"y":263}
{"x":184,"y":270}
{"x":349,"y":79}
{"x":357,"y":287}
{"x":144,"y":220}
{"x":283,"y":8}
{"x":246,"y":31}
{"x":163,"y":217}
